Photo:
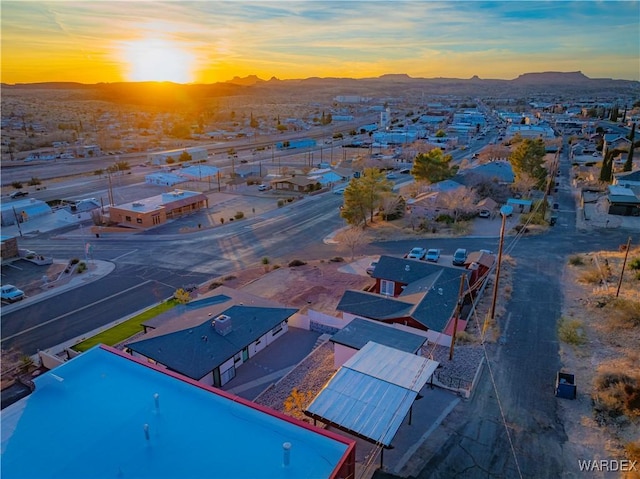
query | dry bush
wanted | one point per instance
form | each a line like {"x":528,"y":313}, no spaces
{"x":463,"y":337}
{"x":632,"y":451}
{"x":623,"y":313}
{"x":616,"y":394}
{"x":571,"y":331}
{"x":576,"y":260}
{"x":591,"y":275}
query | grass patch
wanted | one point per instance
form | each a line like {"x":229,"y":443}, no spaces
{"x":462,"y":337}
{"x":571,"y":331}
{"x":122,"y":331}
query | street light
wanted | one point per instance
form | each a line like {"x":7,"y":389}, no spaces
{"x":505,"y":211}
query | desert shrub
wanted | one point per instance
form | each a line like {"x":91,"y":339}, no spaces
{"x":239,"y":215}
{"x":289,"y":200}
{"x":265,"y":260}
{"x":74,"y":261}
{"x":576,"y":260}
{"x":296,"y":262}
{"x":623,"y":313}
{"x":82,"y":267}
{"x":337,"y":259}
{"x":275,"y":266}
{"x":444,"y":219}
{"x":280,"y":203}
{"x":460,"y":228}
{"x":462,"y":337}
{"x":616,"y":394}
{"x":214,"y":285}
{"x":590,"y":276}
{"x":571,"y":331}
{"x":634,"y":264}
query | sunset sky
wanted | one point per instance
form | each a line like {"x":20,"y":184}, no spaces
{"x":207,"y":42}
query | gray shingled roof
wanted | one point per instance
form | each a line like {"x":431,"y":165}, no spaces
{"x":197,"y":351}
{"x":360,"y":331}
{"x":430,"y":297}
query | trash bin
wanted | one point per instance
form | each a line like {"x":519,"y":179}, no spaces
{"x":566,"y":386}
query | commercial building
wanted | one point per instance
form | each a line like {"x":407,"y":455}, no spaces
{"x":157,"y":210}
{"x":105,"y":414}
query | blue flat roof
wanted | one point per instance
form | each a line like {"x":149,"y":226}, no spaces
{"x":87,"y":418}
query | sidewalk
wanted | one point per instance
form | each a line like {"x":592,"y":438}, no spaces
{"x":97,"y":269}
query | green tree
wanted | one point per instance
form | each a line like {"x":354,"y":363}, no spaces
{"x":375,"y":184}
{"x":433,"y":166}
{"x":354,"y":210}
{"x":184,"y":156}
{"x":628,"y":165}
{"x":441,"y":134}
{"x":528,"y":158}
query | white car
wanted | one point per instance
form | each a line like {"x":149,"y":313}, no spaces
{"x":263,"y":187}
{"x":391,"y":176}
{"x":339,"y":191}
{"x":417,"y":253}
{"x":433,"y":255}
{"x":11,"y":294}
{"x":371,"y":267}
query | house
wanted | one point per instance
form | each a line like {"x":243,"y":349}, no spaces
{"x":19,"y":211}
{"x":122,"y":417}
{"x":9,"y":246}
{"x":199,"y":172}
{"x":298,"y":184}
{"x":217,"y":345}
{"x":494,"y":171}
{"x":623,"y":201}
{"x":355,"y":335}
{"x":614,"y":141}
{"x":488,"y":204}
{"x":479,"y":263}
{"x":629,"y":180}
{"x":411,"y":293}
{"x":157,"y":210}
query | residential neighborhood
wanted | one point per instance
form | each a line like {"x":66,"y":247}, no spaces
{"x":339,"y":290}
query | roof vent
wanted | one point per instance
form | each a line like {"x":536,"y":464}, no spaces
{"x":138,"y":205}
{"x":440,"y":291}
{"x":407,"y":267}
{"x":222,"y":325}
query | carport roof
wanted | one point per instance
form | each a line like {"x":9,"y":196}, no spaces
{"x":372,"y":392}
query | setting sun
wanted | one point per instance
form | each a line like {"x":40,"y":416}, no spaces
{"x":157,"y":59}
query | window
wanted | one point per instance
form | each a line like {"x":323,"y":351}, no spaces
{"x":237,"y":357}
{"x":139,"y":220}
{"x":386,"y":287}
{"x":277,"y":329}
{"x":128,"y":218}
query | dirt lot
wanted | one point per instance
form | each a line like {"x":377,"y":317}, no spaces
{"x":316,"y":284}
{"x":604,"y":349}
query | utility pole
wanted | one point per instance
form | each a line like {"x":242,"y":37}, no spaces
{"x":504,"y":211}
{"x":457,"y":316}
{"x":624,"y":264}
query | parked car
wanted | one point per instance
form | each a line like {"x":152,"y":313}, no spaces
{"x":263,"y":187}
{"x":391,"y":176}
{"x":11,"y":293}
{"x":460,"y":256}
{"x":371,"y":267}
{"x":433,"y":255}
{"x":339,"y":191}
{"x":18,"y":194}
{"x":417,"y":253}
{"x":484,"y":214}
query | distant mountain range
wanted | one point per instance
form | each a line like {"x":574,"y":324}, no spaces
{"x":548,"y":84}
